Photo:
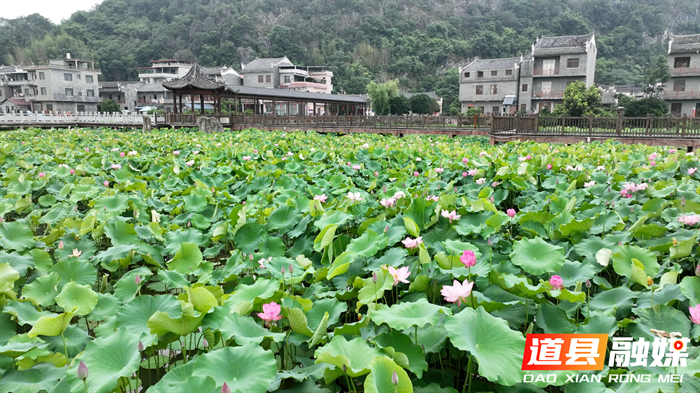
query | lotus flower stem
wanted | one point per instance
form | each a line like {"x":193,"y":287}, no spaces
{"x":415,"y":333}
{"x":85,"y":385}
{"x":468,"y":377}
{"x":65,"y":348}
{"x":184,"y":349}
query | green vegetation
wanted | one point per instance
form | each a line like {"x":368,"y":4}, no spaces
{"x":581,"y":101}
{"x":418,"y":42}
{"x":400,"y":105}
{"x":645,"y":106}
{"x":109,"y":106}
{"x":380,"y":94}
{"x":271,"y":261}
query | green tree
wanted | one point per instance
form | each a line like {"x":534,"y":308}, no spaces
{"x":652,"y":105}
{"x":400,"y":105}
{"x":580,"y":101}
{"x":380,"y":94}
{"x":455,"y":108}
{"x":421,"y":104}
{"x":655,"y":77}
{"x":109,"y":106}
{"x":473,"y":111}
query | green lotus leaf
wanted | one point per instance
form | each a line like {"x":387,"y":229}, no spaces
{"x":107,"y":305}
{"x":406,"y":314}
{"x":161,"y":323}
{"x":623,"y":260}
{"x":434,"y":388}
{"x":121,"y":233}
{"x":245,"y":331}
{"x":134,"y":316}
{"x":172,"y":279}
{"x":51,"y":325}
{"x":126,"y":287}
{"x":81,"y":298}
{"x":297,"y":321}
{"x":325,"y":237}
{"x":195,"y":203}
{"x":497,"y":348}
{"x":41,"y":377}
{"x":536,"y":256}
{"x":20,"y":344}
{"x":76,"y":340}
{"x":249,"y":237}
{"x":355,"y":354}
{"x":24,"y":312}
{"x":241,"y":301}
{"x":371,"y":291}
{"x":403,"y":344}
{"x":380,"y":378}
{"x":283,"y":219}
{"x":660,"y":317}
{"x":175,"y":377}
{"x":187,"y":259}
{"x":368,"y":244}
{"x":246,"y":369}
{"x":16,"y":236}
{"x":8,"y":276}
{"x":332,"y":306}
{"x":82,"y":273}
{"x":174,"y":239}
{"x":115,"y":204}
{"x":337,"y":217}
{"x":201,"y":299}
{"x":690,"y":288}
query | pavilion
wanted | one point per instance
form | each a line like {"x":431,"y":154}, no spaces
{"x":196,"y":84}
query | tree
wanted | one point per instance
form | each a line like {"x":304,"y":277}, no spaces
{"x":109,"y":106}
{"x":580,"y":101}
{"x":380,"y":94}
{"x":455,"y":108}
{"x":652,"y":105}
{"x":421,"y":104}
{"x":400,"y":105}
{"x":655,"y":78}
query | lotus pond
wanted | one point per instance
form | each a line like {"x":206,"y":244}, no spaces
{"x":297,"y":262}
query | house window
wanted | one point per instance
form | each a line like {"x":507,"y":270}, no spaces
{"x":43,"y":91}
{"x":681,"y":62}
{"x":287,"y":79}
{"x":523,"y":107}
{"x":480,"y":73}
{"x":49,"y":107}
{"x":524,"y":87}
{"x":89,"y":79}
{"x":69,"y":92}
{"x":494,"y":110}
{"x":479,"y":90}
{"x":78,"y":76}
{"x":493,"y":89}
{"x":466,"y":74}
{"x":572,"y":63}
{"x":42,"y":76}
{"x":509,"y":72}
{"x":67,"y":77}
{"x":35,"y":91}
{"x":81,"y":108}
{"x":494,"y":73}
{"x":676,"y":109}
{"x":260,"y":79}
{"x":679,"y":86}
{"x":80,"y":94}
{"x":38,"y":107}
{"x":268,"y":78}
{"x":26,"y":92}
{"x":90,"y":93}
{"x":481,"y":109}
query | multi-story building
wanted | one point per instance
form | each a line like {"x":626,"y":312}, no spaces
{"x":63,"y":85}
{"x":123,"y":93}
{"x":682,"y":92}
{"x":529,"y":83}
{"x":280,"y":73}
{"x":164,"y":70}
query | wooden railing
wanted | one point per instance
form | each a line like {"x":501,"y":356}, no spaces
{"x":59,"y":119}
{"x":613,"y":127}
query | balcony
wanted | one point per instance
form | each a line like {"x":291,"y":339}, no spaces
{"x":685,"y":71}
{"x":61,"y":67}
{"x":73,"y":98}
{"x":547,"y":94}
{"x":545,"y":71}
{"x":681,"y":95}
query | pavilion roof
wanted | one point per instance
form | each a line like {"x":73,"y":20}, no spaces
{"x":195,"y":79}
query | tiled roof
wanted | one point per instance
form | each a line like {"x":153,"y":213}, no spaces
{"x":492,"y":64}
{"x":684,"y":43}
{"x":265,"y":64}
{"x":570,"y":41}
{"x":152,"y":88}
{"x":18,"y":101}
{"x":293,"y":95}
{"x":194,"y":79}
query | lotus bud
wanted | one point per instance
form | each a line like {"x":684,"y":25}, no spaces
{"x":386,"y":229}
{"x":60,"y":245}
{"x":557,"y":181}
{"x":395,"y":379}
{"x":250,"y":256}
{"x":374,"y":277}
{"x":492,"y":200}
{"x":137,"y":279}
{"x":345,"y":368}
{"x":82,"y":371}
{"x":291,"y":269}
{"x":225,"y":388}
{"x":650,"y":282}
{"x":588,"y":283}
{"x":140,"y":347}
{"x":612,"y":204}
{"x":697,"y":270}
{"x":619,"y":243}
{"x":205,"y":343}
{"x":489,"y":243}
{"x":683,"y":201}
{"x":282,"y":270}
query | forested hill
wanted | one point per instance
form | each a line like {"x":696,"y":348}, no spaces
{"x":420,"y":42}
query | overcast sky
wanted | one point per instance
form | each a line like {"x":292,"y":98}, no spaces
{"x":55,"y":10}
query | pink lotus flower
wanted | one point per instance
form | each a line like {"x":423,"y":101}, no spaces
{"x":76,"y":253}
{"x":356,"y":167}
{"x":134,"y":152}
{"x":522,"y":159}
{"x":87,"y":149}
{"x":387,"y":202}
{"x":529,"y":157}
{"x":600,"y":168}
{"x":439,"y":170}
{"x":623,"y":193}
{"x":82,"y":371}
{"x":225,"y":388}
{"x":671,"y":151}
{"x":464,"y":174}
{"x":189,"y":163}
{"x":695,"y":314}
{"x":106,"y":183}
{"x":349,"y":163}
{"x":589,"y":184}
{"x":60,"y":245}
{"x":556,"y":282}
{"x":652,"y":156}
{"x":41,"y":174}
{"x":376,"y":173}
{"x":416,"y":174}
{"x":652,"y":163}
{"x":271,"y":312}
{"x":399,"y":275}
{"x":246,"y":158}
{"x":432,"y":198}
{"x":468,"y":258}
{"x":465,"y":160}
{"x":176,"y":152}
{"x":116,"y":166}
{"x":457,"y":293}
{"x":321,"y":198}
{"x":480,"y":181}
{"x":354,"y":196}
{"x":412,"y":243}
{"x":689,"y":219}
{"x":510,"y":213}
{"x":418,"y":159}
{"x":137,"y":279}
{"x":450,"y":215}
{"x":72,"y":171}
{"x":472,"y":172}
{"x":495,"y":184}
{"x":122,"y":154}
{"x":549,"y":166}
{"x":691,"y":171}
